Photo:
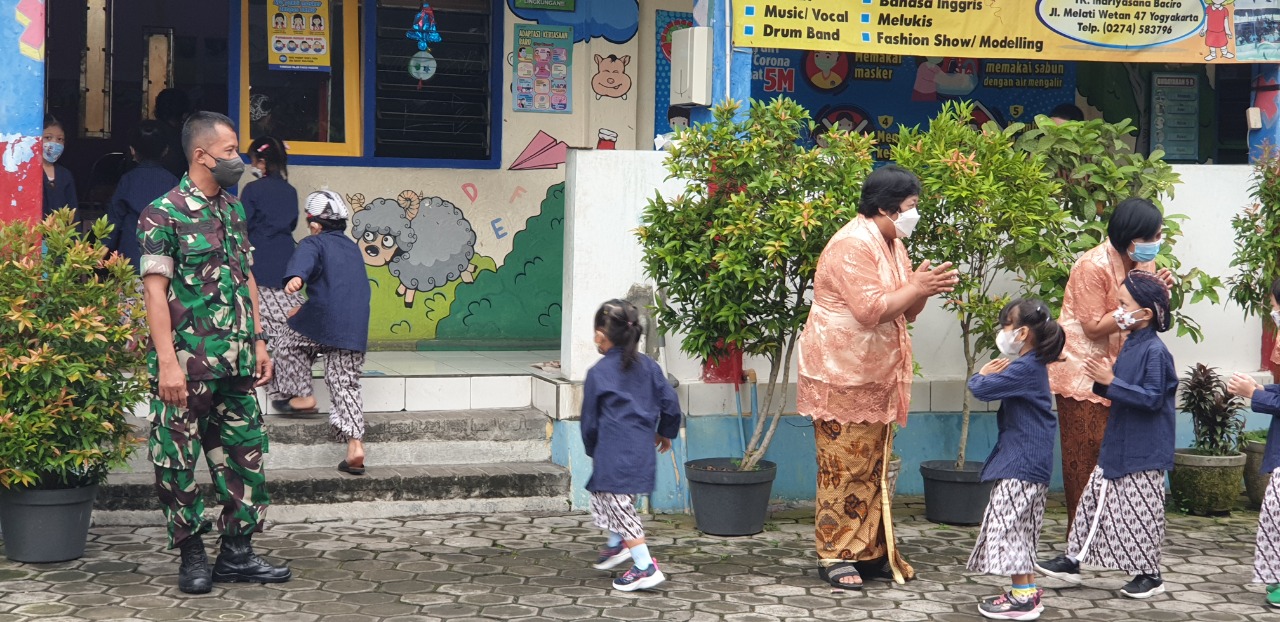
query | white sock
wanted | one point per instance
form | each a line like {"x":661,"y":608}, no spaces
{"x":640,"y":553}
{"x":614,"y":539}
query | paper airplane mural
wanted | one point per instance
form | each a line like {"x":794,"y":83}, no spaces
{"x":543,"y":152}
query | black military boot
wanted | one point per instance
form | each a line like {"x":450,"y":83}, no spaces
{"x":238,"y":564}
{"x":194,"y":576}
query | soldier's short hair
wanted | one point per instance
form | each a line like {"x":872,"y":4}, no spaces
{"x":200,"y":126}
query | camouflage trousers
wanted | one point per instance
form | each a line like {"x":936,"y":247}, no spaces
{"x":223,"y":420}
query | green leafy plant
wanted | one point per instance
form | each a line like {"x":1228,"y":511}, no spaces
{"x":1257,"y":252}
{"x":1098,"y":170}
{"x":985,"y":206}
{"x":734,"y":253}
{"x":70,"y":364}
{"x":1216,"y":417}
{"x":1257,"y":436}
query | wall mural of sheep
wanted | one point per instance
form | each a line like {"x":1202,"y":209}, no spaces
{"x":426,"y":242}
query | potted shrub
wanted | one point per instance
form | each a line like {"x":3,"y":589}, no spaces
{"x":734,"y":255}
{"x":1098,"y":169}
{"x":988,"y":208}
{"x":1254,"y":443}
{"x":70,"y":371}
{"x":1206,"y":477}
{"x":1257,"y":253}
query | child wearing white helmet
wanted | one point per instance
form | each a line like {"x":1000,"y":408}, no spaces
{"x":334,"y":322}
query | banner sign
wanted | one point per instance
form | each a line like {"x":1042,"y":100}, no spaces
{"x":1153,"y":31}
{"x":877,"y":93}
{"x":546,"y":5}
{"x":299,"y":35}
{"x":543,"y":66}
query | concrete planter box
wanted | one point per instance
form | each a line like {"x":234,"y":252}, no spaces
{"x":1206,"y":485}
{"x":1255,"y":481}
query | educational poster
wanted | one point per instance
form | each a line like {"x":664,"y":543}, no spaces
{"x":1145,"y":31}
{"x":1175,"y":115}
{"x":877,"y":93}
{"x":543,"y":68}
{"x":666,"y":118}
{"x":299,"y":35}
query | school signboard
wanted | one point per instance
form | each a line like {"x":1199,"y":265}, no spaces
{"x":1155,"y":31}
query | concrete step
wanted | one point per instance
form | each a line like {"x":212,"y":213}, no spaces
{"x":405,"y":438}
{"x":384,"y":491}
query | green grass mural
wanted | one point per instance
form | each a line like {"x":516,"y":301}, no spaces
{"x":519,"y":303}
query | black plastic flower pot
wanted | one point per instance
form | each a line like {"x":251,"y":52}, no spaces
{"x":954,"y":497}
{"x":726,"y":500}
{"x":45,"y":526}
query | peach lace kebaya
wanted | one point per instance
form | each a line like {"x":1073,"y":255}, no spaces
{"x":852,"y":368}
{"x":1092,"y":293}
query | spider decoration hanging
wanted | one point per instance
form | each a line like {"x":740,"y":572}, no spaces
{"x":422,"y":65}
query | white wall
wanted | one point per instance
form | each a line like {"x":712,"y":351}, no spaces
{"x":606,"y":192}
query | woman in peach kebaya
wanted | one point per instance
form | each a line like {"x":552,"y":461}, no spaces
{"x":855,"y":370}
{"x":1134,"y":236}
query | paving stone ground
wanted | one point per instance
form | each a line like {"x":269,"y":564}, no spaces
{"x":521,"y":567}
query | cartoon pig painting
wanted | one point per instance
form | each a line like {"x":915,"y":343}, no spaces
{"x":611,"y":79}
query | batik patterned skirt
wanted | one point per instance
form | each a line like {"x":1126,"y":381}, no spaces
{"x":617,"y":513}
{"x":854,"y":521}
{"x":1120,"y":522}
{"x":1266,"y":559}
{"x":1010,"y":529}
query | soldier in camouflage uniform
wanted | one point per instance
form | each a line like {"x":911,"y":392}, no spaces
{"x":207,"y":358}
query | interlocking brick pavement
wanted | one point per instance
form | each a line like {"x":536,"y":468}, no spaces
{"x":518,"y":567}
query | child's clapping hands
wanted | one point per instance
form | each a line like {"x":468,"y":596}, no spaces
{"x":995,"y":366}
{"x":1242,"y":385}
{"x":1099,"y":371}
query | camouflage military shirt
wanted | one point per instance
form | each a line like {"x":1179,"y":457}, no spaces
{"x":202,"y":246}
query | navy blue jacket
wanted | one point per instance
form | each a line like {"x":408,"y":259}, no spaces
{"x":137,"y":189}
{"x":1267,"y":402}
{"x":1140,"y":429}
{"x":271,"y":207}
{"x":61,"y":192}
{"x":336,"y":312}
{"x":622,"y":411}
{"x":1024,"y":449}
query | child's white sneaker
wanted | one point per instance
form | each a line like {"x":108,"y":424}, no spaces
{"x":637,"y":579}
{"x":611,"y":556}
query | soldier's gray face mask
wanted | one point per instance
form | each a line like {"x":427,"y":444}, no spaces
{"x":227,"y":172}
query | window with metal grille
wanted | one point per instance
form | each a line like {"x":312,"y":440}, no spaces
{"x":448,"y":115}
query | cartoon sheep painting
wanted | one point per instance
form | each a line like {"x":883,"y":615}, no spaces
{"x":425,"y":242}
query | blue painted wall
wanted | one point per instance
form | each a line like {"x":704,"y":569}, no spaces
{"x":928,"y":436}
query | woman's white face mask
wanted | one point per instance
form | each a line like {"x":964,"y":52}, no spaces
{"x":906,"y":223}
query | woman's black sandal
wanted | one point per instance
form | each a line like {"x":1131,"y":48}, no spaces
{"x":834,"y":573}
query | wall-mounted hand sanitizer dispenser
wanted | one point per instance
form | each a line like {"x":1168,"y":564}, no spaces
{"x":691,"y":67}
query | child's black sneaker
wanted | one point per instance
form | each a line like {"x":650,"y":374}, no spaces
{"x":1061,"y":568}
{"x":1006,"y":607}
{"x":637,"y":579}
{"x":611,"y":556}
{"x":1143,"y":586}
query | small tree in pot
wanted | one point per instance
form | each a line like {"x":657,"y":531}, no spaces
{"x":1257,"y":253}
{"x":1206,"y":477}
{"x":70,"y":372}
{"x":735,"y":253}
{"x":989,"y":208}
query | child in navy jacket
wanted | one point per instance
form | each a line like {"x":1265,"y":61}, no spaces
{"x":334,"y":321}
{"x":1022,"y":460}
{"x":1266,"y":400}
{"x":1120,"y":520}
{"x":628,"y":407}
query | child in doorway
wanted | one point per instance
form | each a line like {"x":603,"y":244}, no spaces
{"x":334,"y":321}
{"x":1266,"y":400}
{"x":1120,"y":519}
{"x":628,"y":407}
{"x":1022,"y":460}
